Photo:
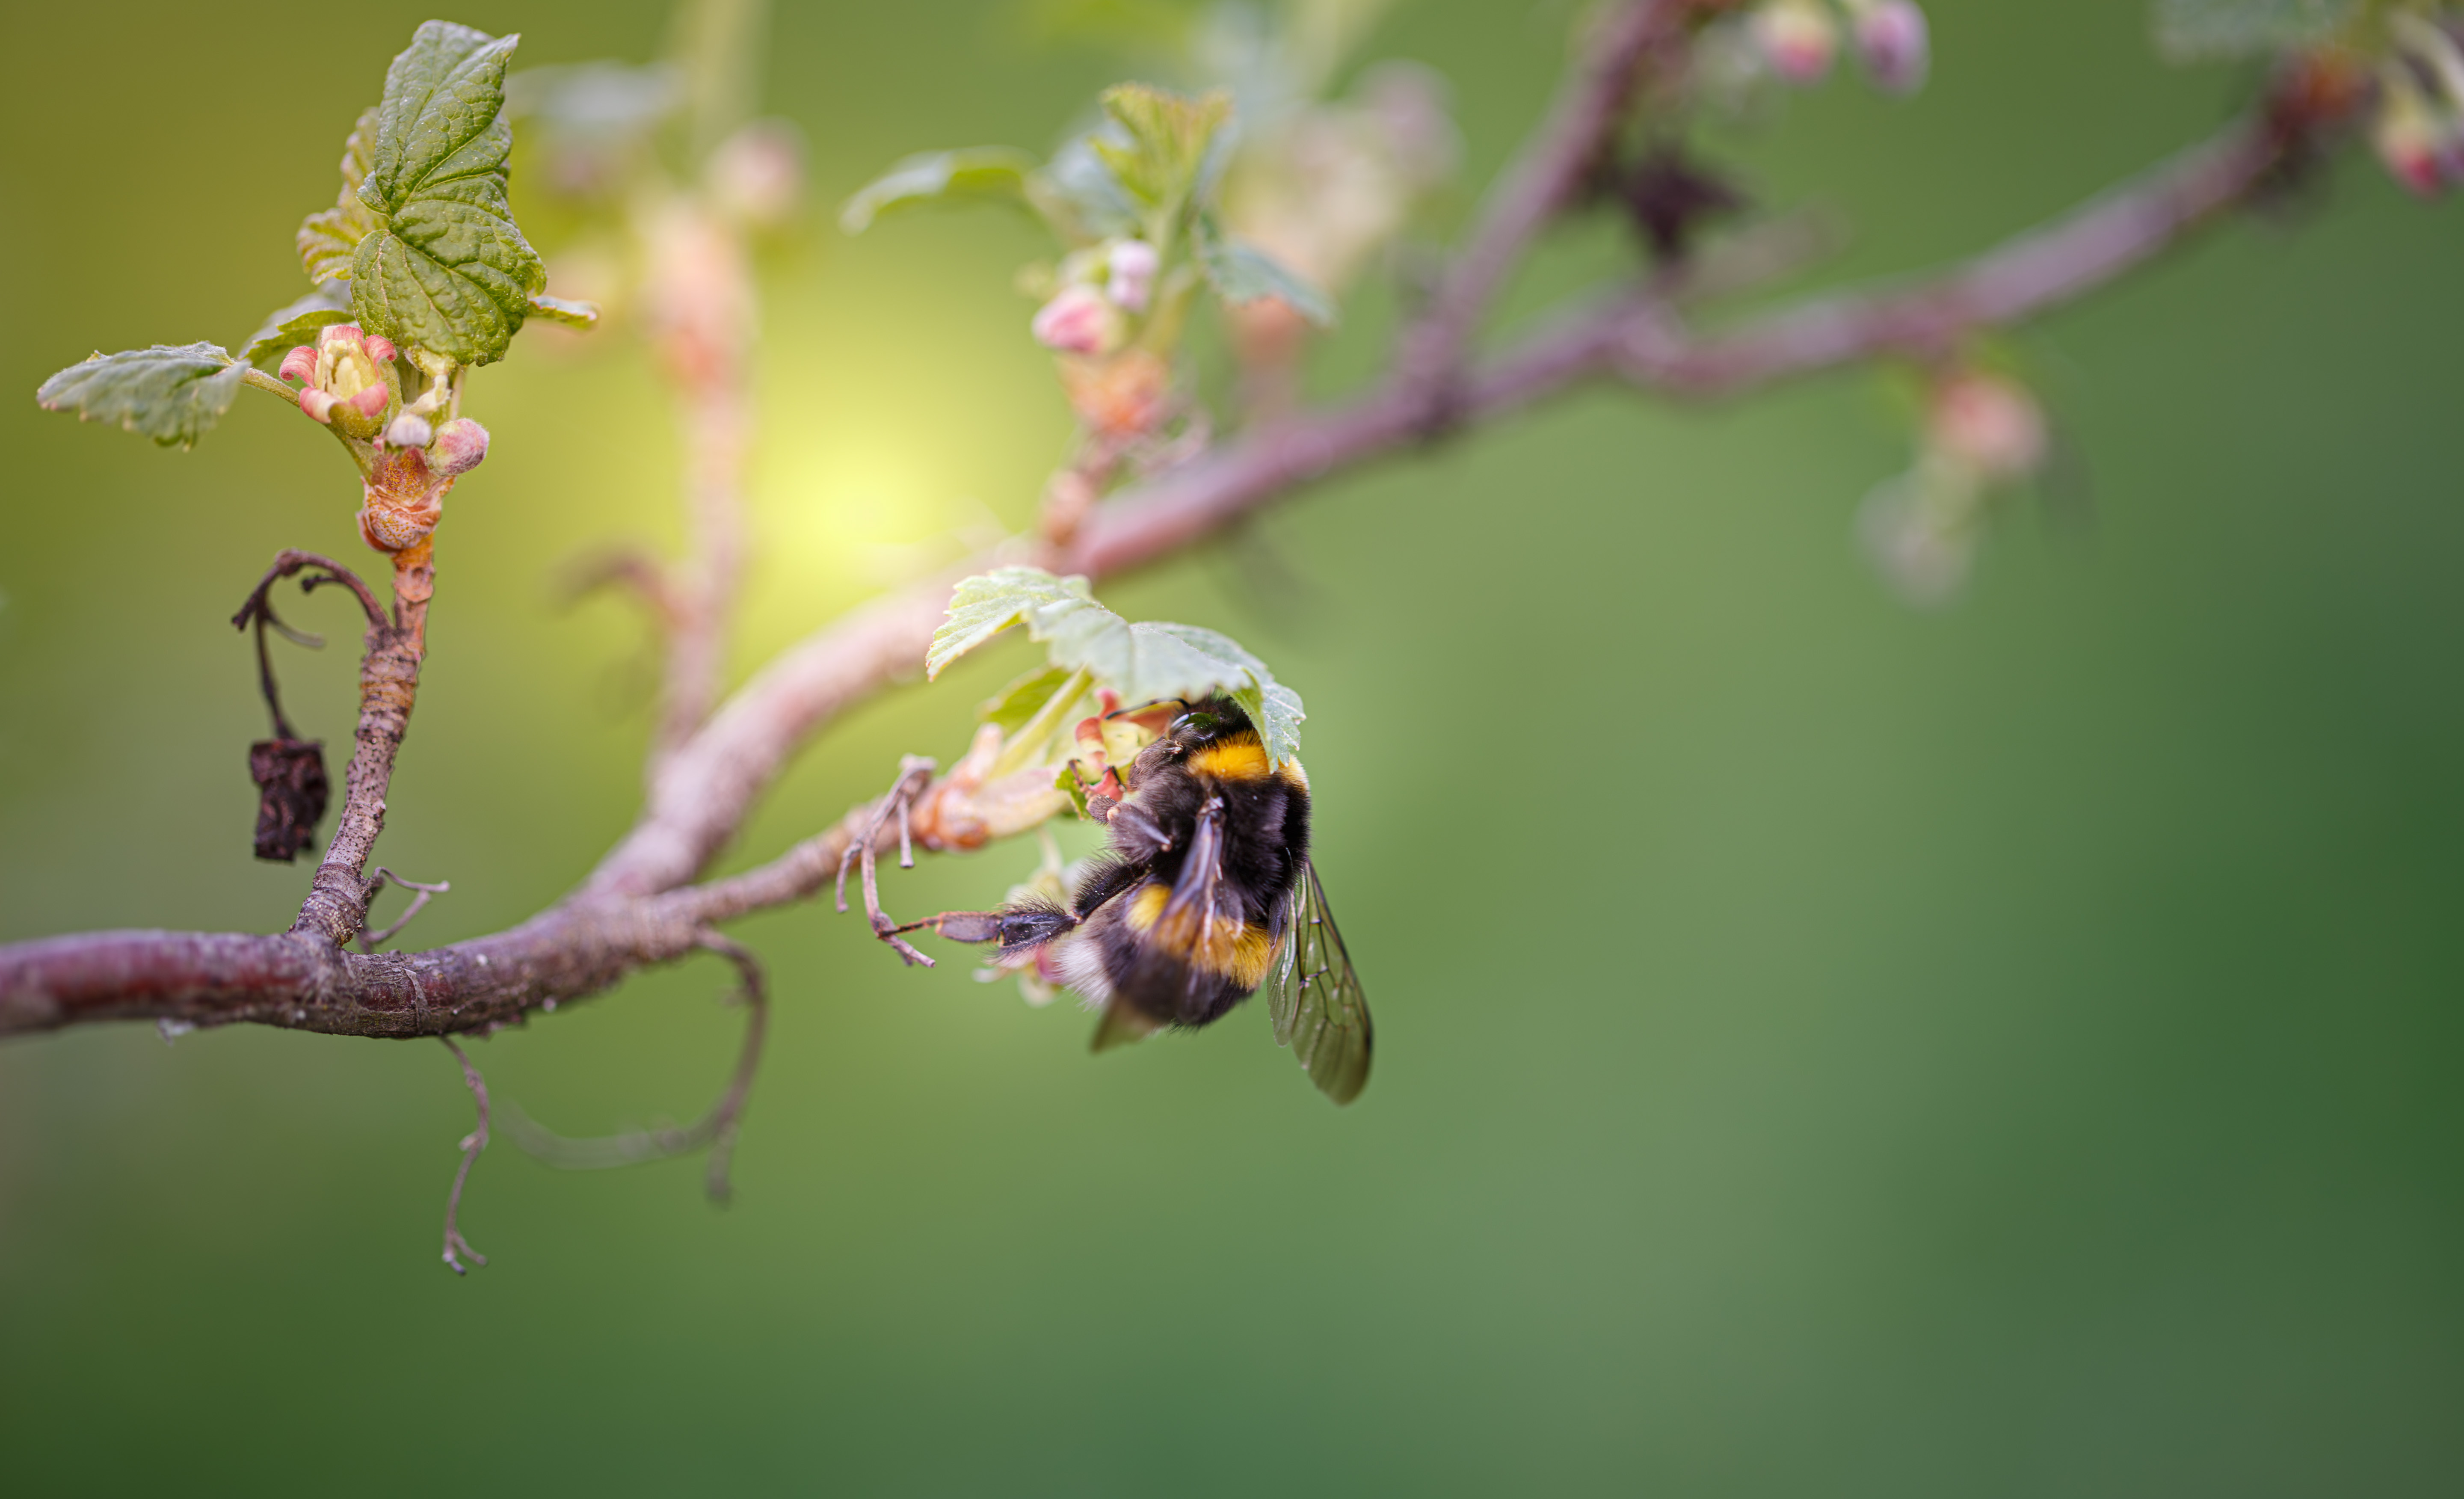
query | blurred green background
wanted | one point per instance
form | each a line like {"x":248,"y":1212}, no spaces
{"x":1826,"y":1048}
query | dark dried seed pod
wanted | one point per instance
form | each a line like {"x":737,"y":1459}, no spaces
{"x":1670,"y":199}
{"x":290,"y":776}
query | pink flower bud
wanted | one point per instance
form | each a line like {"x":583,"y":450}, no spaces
{"x":410,"y":429}
{"x":1989,"y":425}
{"x":459,"y":446}
{"x":318,"y":406}
{"x":756,"y":175}
{"x":1798,"y":38}
{"x":359,"y":414}
{"x":1078,"y":321}
{"x":380,"y":349}
{"x":2409,"y":140}
{"x":335,"y":337}
{"x":300,"y":365}
{"x":1892,"y":43}
{"x":1130,"y":274}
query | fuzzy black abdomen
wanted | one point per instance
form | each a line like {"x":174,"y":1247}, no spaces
{"x":1190,"y":968}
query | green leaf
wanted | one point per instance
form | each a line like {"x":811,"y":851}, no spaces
{"x":1272,"y":707}
{"x":1241,"y":273}
{"x":987,"y":604}
{"x":1080,"y":198}
{"x":448,"y":270}
{"x":1146,"y":661}
{"x":983,"y":174}
{"x":1016,"y":705}
{"x":170,"y":394}
{"x":2195,"y":30}
{"x":297,"y":325}
{"x":1160,"y":161}
{"x":1066,"y":782}
{"x":572,"y":313}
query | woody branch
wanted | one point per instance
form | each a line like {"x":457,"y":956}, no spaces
{"x":640,"y":906}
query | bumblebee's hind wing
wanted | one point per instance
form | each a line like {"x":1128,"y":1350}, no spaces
{"x":1315,"y":997}
{"x":1121,"y":1023}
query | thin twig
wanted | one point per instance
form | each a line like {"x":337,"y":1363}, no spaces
{"x":291,"y":560}
{"x":337,"y":904}
{"x":718,"y":429}
{"x":717,"y":1129}
{"x":2043,"y":268}
{"x":630,"y":569}
{"x":473,"y":1144}
{"x":914,"y":772}
{"x":370,"y":941}
{"x":265,"y":684}
{"x":1545,"y":177}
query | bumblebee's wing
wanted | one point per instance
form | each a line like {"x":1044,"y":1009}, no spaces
{"x":1315,"y":997}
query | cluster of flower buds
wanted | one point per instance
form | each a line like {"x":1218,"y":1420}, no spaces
{"x":350,"y":381}
{"x":404,"y":491}
{"x":1104,"y":288}
{"x":1800,"y":40}
{"x":2419,"y":131}
{"x":1982,"y":433}
{"x":1120,"y":387}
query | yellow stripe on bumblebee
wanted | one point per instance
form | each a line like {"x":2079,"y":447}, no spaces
{"x":1235,"y":757}
{"x":1239,"y":951}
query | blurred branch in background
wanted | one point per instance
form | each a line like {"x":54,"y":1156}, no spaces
{"x":666,"y":178}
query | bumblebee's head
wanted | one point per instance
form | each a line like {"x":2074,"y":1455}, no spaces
{"x":1205,"y":722}
{"x":1195,"y":727}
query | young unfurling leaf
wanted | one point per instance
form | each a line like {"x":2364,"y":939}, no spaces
{"x":1143,"y":662}
{"x":329,"y":239}
{"x":1167,"y":141}
{"x":1163,"y":151}
{"x":170,"y":394}
{"x":447,"y":270}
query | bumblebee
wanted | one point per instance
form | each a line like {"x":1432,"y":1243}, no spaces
{"x":1204,"y":894}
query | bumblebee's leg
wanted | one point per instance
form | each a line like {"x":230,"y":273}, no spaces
{"x":1136,"y":836}
{"x":1017,"y":931}
{"x":1106,"y":880}
{"x":1020,"y":929}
